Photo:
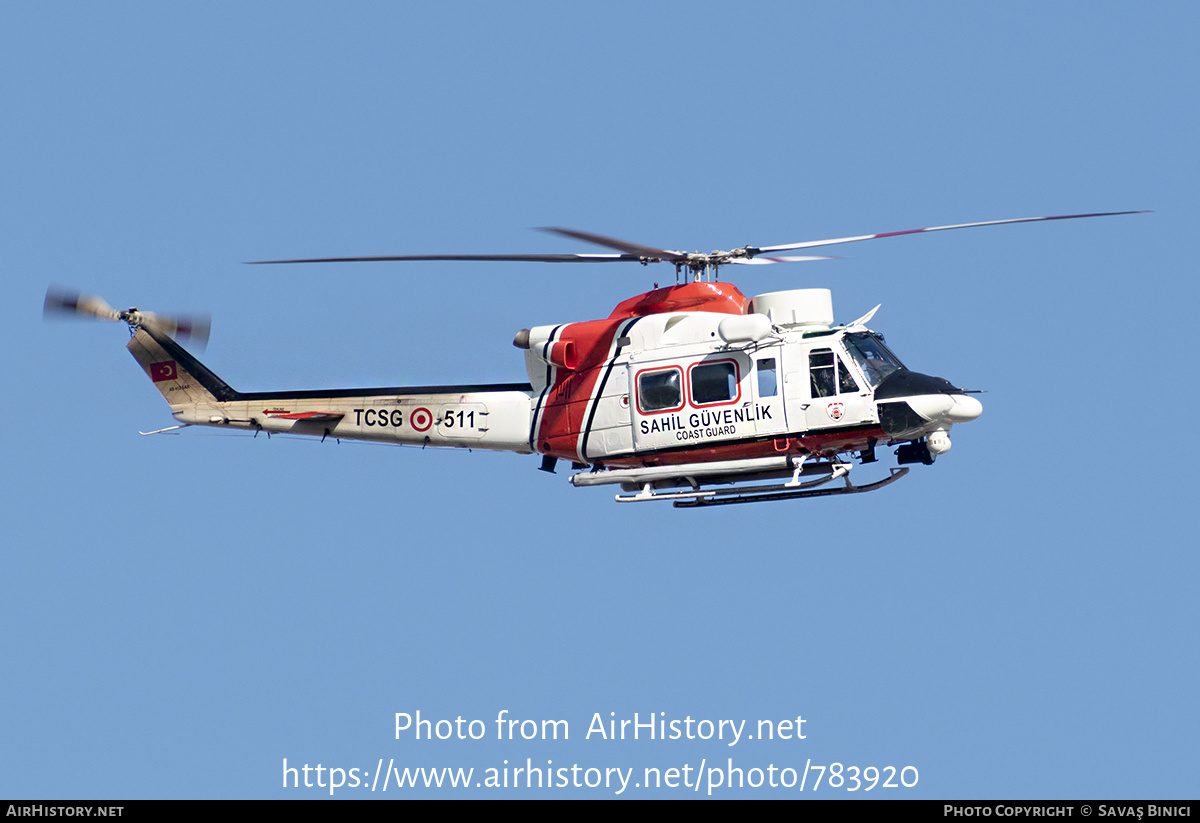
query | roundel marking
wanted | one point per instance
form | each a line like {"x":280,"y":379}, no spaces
{"x":421,"y":419}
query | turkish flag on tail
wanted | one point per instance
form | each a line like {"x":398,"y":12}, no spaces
{"x":165,"y":370}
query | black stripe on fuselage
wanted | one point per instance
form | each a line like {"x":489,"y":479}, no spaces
{"x":215,"y":386}
{"x":622,"y":331}
{"x":386,"y":391}
{"x":224,"y":392}
{"x":534,"y":419}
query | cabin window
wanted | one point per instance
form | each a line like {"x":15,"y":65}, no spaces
{"x":767,"y":384}
{"x":829,"y":375}
{"x":820,"y":370}
{"x":714,"y":382}
{"x":660,"y":390}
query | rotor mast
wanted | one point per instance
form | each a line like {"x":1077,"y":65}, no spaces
{"x":705,"y":268}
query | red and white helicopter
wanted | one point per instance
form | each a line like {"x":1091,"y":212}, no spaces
{"x":692,"y":393}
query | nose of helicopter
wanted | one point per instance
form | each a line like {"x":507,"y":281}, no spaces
{"x":909,"y":402}
{"x":966,"y":408}
{"x":946,"y":408}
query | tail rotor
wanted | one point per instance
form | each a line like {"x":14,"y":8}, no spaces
{"x":64,"y":303}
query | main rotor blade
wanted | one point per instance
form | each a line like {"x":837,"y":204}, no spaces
{"x":635,"y":252}
{"x":766,"y":261}
{"x":503,"y":258}
{"x":639,"y":251}
{"x":815,"y":243}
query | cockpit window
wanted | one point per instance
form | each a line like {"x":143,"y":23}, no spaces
{"x":874,"y":358}
{"x":846,"y":382}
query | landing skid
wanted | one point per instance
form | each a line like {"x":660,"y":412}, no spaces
{"x":740,"y":476}
{"x":727,"y":497}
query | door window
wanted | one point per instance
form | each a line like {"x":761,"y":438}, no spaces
{"x":713,"y":383}
{"x":660,"y":390}
{"x":767,"y":382}
{"x":828,"y":374}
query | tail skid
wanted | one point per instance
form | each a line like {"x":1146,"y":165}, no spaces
{"x":167,"y":429}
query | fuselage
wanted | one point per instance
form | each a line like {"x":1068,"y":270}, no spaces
{"x":687,"y":374}
{"x":698,"y":372}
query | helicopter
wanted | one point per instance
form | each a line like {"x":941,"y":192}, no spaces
{"x":691,"y":393}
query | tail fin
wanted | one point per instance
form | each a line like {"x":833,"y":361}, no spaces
{"x":181,"y":378}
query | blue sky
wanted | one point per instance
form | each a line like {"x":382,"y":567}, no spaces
{"x":179,"y":614}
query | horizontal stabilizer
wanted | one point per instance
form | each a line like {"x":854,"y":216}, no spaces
{"x":281,"y":414}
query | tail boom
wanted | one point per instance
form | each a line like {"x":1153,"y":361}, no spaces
{"x":476,"y":417}
{"x":482,"y":416}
